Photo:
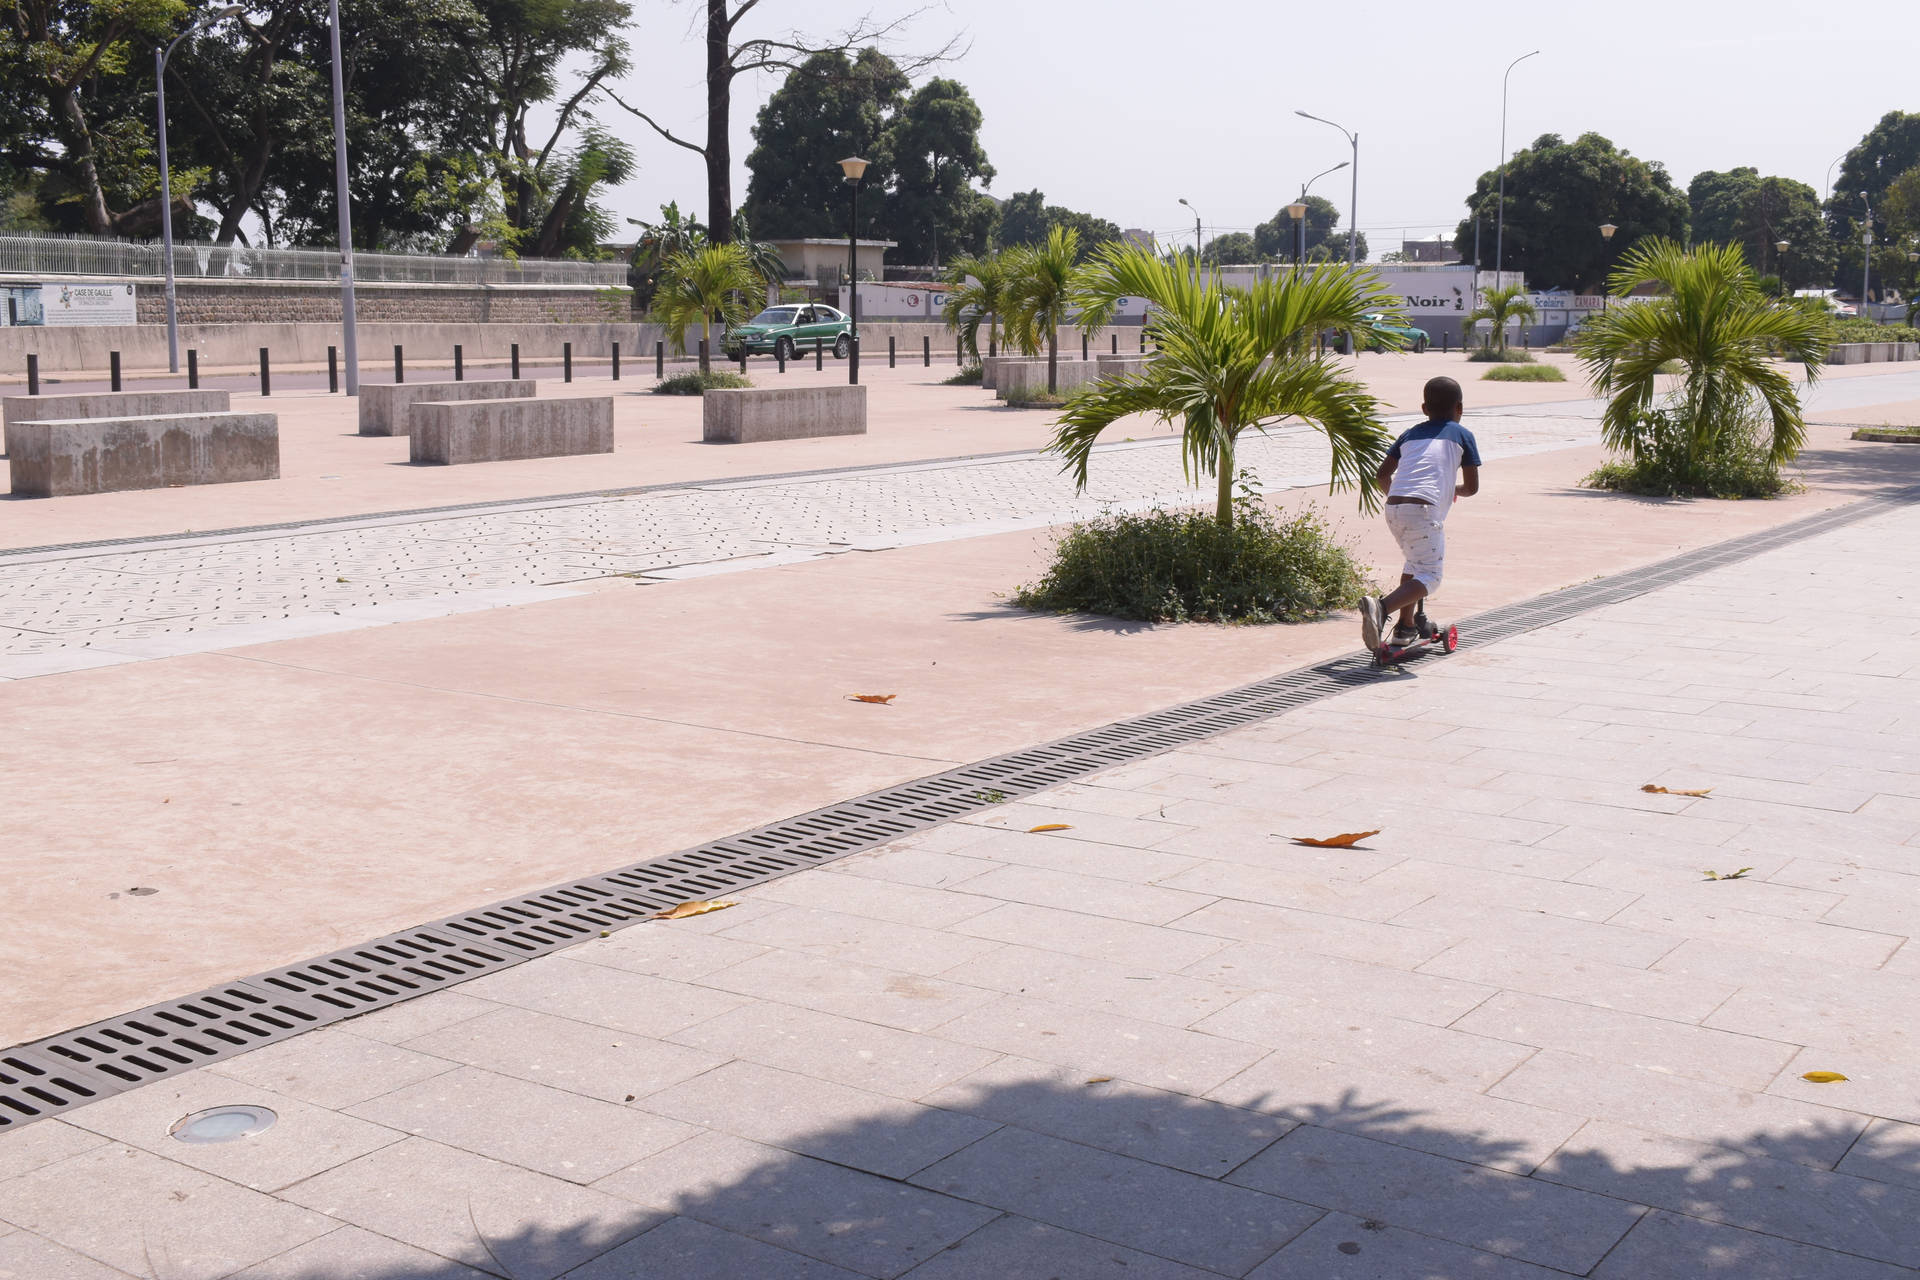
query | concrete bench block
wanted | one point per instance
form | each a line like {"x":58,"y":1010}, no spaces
{"x":106,"y":404}
{"x":1028,"y":379}
{"x":501,"y":430}
{"x":1112,"y":366}
{"x":54,"y":459}
{"x":782,"y":413}
{"x":990,"y":367}
{"x":385,"y":406}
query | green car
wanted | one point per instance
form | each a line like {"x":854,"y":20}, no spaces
{"x":791,"y":328}
{"x":1391,"y":335}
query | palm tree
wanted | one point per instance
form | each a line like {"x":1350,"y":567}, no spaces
{"x":1503,"y":306}
{"x":699,"y":284}
{"x":1039,"y":287}
{"x":1711,"y":317}
{"x":1231,"y":359}
{"x":979,"y":292}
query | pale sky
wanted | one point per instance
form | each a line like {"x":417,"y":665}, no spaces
{"x":1120,"y":107}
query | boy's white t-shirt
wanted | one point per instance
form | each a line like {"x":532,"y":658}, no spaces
{"x":1430,"y":456}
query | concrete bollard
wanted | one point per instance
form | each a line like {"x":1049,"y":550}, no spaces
{"x":514,"y":360}
{"x":1116,"y":343}
{"x":566,"y":362}
{"x":193,"y":368}
{"x":33,"y":375}
{"x":960,"y":353}
{"x":853,"y":361}
{"x":1083,"y":346}
{"x":1143,"y":339}
{"x":703,"y":353}
{"x":659,"y":359}
{"x":926,"y":351}
{"x":333,"y":370}
{"x":819,"y":356}
{"x":780,"y":357}
{"x":399,"y":364}
{"x":266,"y":374}
{"x":890,"y":363}
{"x":616,"y":362}
{"x":743,"y":357}
{"x":459,"y":365}
{"x":113,"y":370}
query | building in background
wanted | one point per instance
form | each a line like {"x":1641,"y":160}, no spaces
{"x":1436,"y":250}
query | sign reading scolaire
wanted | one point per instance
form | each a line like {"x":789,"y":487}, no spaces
{"x":87,"y":304}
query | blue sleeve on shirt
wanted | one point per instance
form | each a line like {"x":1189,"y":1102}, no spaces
{"x":1470,"y":448}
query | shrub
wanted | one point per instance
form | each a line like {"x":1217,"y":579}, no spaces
{"x":967,"y":377}
{"x":1039,"y":400}
{"x":693,"y":382}
{"x":1861,"y":329}
{"x":1666,"y":466}
{"x":1524,"y":373}
{"x":1186,"y":566}
{"x":1499,"y":355}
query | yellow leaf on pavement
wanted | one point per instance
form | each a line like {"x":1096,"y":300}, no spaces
{"x":1822,"y":1077}
{"x":1650,"y":789}
{"x":878,"y":699}
{"x":1051,"y":826}
{"x":697,"y":908}
{"x":1344,"y":841}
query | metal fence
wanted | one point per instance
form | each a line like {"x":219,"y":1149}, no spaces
{"x":30,"y":255}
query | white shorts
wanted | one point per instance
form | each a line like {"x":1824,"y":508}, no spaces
{"x":1422,"y":536}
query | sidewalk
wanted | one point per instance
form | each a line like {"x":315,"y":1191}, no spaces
{"x":1516,"y":1034}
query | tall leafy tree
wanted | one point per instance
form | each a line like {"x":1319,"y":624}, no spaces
{"x":937,"y":156}
{"x":731,"y":53}
{"x":1277,"y":238}
{"x":1027,"y":219}
{"x":832,"y":106}
{"x":1558,"y":194}
{"x":1870,"y":169}
{"x":1233,"y":247}
{"x":1741,"y":207}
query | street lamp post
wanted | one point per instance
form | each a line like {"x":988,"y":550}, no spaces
{"x":1606,"y":235}
{"x":349,"y":328}
{"x":856,"y":169}
{"x":1500,"y":217}
{"x":1353,"y":199}
{"x":160,"y":57}
{"x":1196,"y":240}
{"x":1298,"y":212}
{"x":1866,"y":253}
{"x":1780,"y":248}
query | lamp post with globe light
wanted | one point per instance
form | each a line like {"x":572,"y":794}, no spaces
{"x":1196,"y":240}
{"x":855,"y":170}
{"x":1606,"y":235}
{"x":1353,"y":200}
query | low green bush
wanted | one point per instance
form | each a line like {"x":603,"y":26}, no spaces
{"x":693,"y":383}
{"x":1183,"y":566}
{"x":1499,"y":355}
{"x":1861,"y":329}
{"x":967,"y":377}
{"x":1524,"y":373}
{"x":1667,"y":466}
{"x":1038,"y":400}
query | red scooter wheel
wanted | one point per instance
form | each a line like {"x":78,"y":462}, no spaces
{"x":1453,"y":639}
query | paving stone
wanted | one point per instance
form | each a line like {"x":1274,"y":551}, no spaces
{"x":839,"y":936}
{"x":1670,"y":1246}
{"x":1198,"y":1221}
{"x":908,"y":904}
{"x":122,"y":1206}
{"x":1338,"y":984}
{"x":398,"y":1023}
{"x":1135,"y":833}
{"x":1631,"y":1039}
{"x":1148,"y":1053}
{"x":1135,"y":991}
{"x":1364,"y":1038}
{"x":1056,"y":851}
{"x":683,"y":1249}
{"x":605,"y":997}
{"x":491,"y":1216}
{"x":1173,"y":1129}
{"x":1301,"y":890}
{"x":1313,"y":932}
{"x":1874,"y":1086}
{"x":1870,"y":1022}
{"x":546,"y":1130}
{"x":352,"y":1254}
{"x":812,"y":1117}
{"x":906,"y":1001}
{"x":1809,"y":939}
{"x":24,"y":1150}
{"x":1102,"y":799}
{"x":25,"y":1256}
{"x":1888,"y":1151}
{"x":1581,"y":939}
{"x":1018,"y":1247}
{"x":1092,"y":895}
{"x":1403,"y":1108}
{"x":303,"y":1141}
{"x":927,"y":868}
{"x":1774,"y":1197}
{"x":1594,"y":982}
{"x":665,"y":953}
{"x":1674,"y":888}
{"x":1468,"y":1204}
{"x":1094,"y":937}
{"x":1339,"y":1247}
{"x":579,"y":1057}
{"x":1229,"y":835}
{"x":331,"y":1067}
{"x":875,"y":1226}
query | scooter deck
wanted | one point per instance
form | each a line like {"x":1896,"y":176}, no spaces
{"x":1447,"y":638}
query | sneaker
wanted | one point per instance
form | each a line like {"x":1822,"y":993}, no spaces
{"x":1405,"y":636}
{"x":1372,"y":616}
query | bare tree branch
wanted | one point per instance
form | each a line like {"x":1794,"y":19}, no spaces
{"x":657,"y":127}
{"x":587,"y":89}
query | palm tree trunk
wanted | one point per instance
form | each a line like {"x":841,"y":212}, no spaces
{"x":706,"y":344}
{"x":1223,"y":501}
{"x":1053,"y":360}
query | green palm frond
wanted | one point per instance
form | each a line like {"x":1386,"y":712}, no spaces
{"x":1501,"y":307}
{"x":1230,"y":360}
{"x":1712,"y":317}
{"x":979,"y":287}
{"x":698,"y":284}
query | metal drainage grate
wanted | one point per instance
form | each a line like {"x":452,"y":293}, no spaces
{"x":75,"y":1067}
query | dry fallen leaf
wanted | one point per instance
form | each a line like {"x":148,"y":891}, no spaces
{"x":697,"y":908}
{"x":878,"y":699}
{"x":1669,"y":791}
{"x":1346,"y":841}
{"x":1051,"y":826}
{"x":1098,"y":1079}
{"x":1741,"y":874}
{"x":1822,"y":1077}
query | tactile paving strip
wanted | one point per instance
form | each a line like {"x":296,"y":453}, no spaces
{"x":76,"y":1067}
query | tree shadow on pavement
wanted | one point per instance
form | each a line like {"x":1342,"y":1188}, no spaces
{"x":1060,"y":1172}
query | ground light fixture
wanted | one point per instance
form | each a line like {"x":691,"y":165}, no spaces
{"x":223,"y":1124}
{"x":856,"y":169}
